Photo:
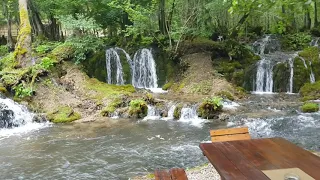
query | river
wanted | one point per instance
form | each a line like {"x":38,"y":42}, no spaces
{"x":130,"y":148}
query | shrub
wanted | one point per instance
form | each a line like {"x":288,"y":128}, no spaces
{"x":209,"y":107}
{"x":296,"y":41}
{"x":310,"y":107}
{"x":22,"y":91}
{"x":138,"y":108}
{"x":3,"y":50}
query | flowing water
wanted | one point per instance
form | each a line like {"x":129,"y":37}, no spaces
{"x":130,"y":148}
{"x":144,"y":70}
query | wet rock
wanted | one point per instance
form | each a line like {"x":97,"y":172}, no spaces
{"x":223,"y":117}
{"x":39,"y":118}
{"x":6,"y":118}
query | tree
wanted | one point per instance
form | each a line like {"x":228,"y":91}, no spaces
{"x":23,"y":46}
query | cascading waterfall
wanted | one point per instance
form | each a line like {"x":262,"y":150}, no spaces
{"x":144,"y":70}
{"x":190,"y":115}
{"x":264,"y":75}
{"x":15,"y":118}
{"x":153,"y":114}
{"x":290,"y":89}
{"x":113,"y":62}
{"x":170,"y":113}
{"x":264,"y":79}
{"x":312,"y":77}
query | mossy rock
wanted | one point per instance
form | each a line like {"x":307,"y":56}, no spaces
{"x":138,"y":108}
{"x":3,"y":89}
{"x":281,"y":75}
{"x":310,"y":91}
{"x":226,"y":94}
{"x":310,"y":107}
{"x":64,"y":114}
{"x":167,"y":86}
{"x":177,"y":111}
{"x":111,"y":108}
{"x":209,"y":107}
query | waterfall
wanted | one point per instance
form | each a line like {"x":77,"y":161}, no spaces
{"x":15,"y":118}
{"x":314,"y":42}
{"x":113,"y":63}
{"x":144,"y":70}
{"x":170,"y":113}
{"x":290,"y":90}
{"x":312,"y":77}
{"x":153,"y":114}
{"x":190,"y":115}
{"x":264,"y":79}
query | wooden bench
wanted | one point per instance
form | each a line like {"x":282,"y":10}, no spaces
{"x":173,"y":174}
{"x":233,"y":134}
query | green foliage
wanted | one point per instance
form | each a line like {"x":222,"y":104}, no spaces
{"x":310,"y":107}
{"x":83,"y":46}
{"x":209,"y":107}
{"x":310,"y":53}
{"x":46,"y":47}
{"x":310,"y":91}
{"x":22,"y":91}
{"x":79,"y":22}
{"x":296,"y":41}
{"x":3,"y":50}
{"x":138,"y":108}
{"x":63,"y":114}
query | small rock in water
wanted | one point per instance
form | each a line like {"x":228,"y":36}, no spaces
{"x":224,"y":117}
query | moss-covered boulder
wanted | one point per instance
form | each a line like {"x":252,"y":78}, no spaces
{"x":310,"y":107}
{"x":111,"y":108}
{"x":63,"y":114}
{"x":167,"y":86}
{"x":281,"y":75}
{"x":209,"y":107}
{"x":138,"y":108}
{"x":301,"y":74}
{"x":310,"y":91}
{"x":177,"y":111}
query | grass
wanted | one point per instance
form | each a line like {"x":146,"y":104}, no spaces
{"x":310,"y":107}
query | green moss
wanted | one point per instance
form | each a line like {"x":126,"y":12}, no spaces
{"x":204,"y":87}
{"x":138,"y":108}
{"x":177,"y":111}
{"x":103,"y":90}
{"x":281,"y":74}
{"x":64,"y":114}
{"x":310,"y":107}
{"x":310,"y":91}
{"x":3,"y":89}
{"x":3,"y":50}
{"x":167,"y":86}
{"x":111,"y":108}
{"x":63,"y":52}
{"x":225,"y":94}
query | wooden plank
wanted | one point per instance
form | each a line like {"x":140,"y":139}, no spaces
{"x":248,"y":169}
{"x":223,"y":165}
{"x":301,"y":158}
{"x":221,"y":132}
{"x":234,"y":137}
{"x":162,"y":175}
{"x":178,"y":174}
{"x":251,"y":153}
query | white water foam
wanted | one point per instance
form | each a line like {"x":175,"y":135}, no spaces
{"x":152,"y":114}
{"x":230,"y":105}
{"x":157,"y":90}
{"x":21,"y":119}
{"x":189,"y":115}
{"x":170,"y":113}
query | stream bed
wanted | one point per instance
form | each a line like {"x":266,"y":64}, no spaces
{"x":131,"y":148}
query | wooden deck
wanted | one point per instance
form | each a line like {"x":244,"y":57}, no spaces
{"x":246,"y":159}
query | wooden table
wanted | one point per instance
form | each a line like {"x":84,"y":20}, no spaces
{"x":246,"y":159}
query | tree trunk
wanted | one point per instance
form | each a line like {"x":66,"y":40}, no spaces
{"x":162,"y":17}
{"x":23,"y":46}
{"x":10,"y":43}
{"x":38,"y":26}
{"x":236,"y":29}
{"x":316,"y":22}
